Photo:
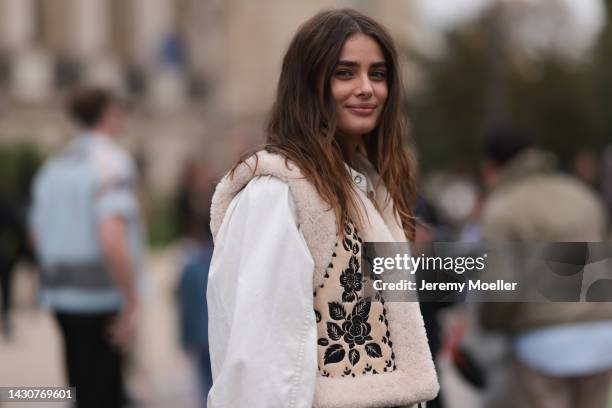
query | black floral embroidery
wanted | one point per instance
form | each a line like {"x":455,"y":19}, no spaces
{"x":349,"y":245}
{"x":354,"y":356}
{"x":354,"y":264}
{"x":356,"y":327}
{"x":351,"y":280}
{"x":373,"y":350}
{"x":334,"y":354}
{"x":348,"y":230}
{"x":334,"y":331}
{"x":355,"y":330}
{"x":336,"y":311}
{"x":345,"y":332}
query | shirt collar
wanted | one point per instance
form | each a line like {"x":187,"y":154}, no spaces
{"x":361,"y":180}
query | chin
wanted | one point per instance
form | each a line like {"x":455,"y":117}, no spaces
{"x":357,"y":129}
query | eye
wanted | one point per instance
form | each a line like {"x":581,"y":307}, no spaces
{"x":378,"y":75}
{"x":344,"y":73}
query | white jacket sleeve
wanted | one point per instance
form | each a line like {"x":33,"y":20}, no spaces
{"x":262,"y":328}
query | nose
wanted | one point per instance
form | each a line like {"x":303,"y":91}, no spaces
{"x":364,"y":88}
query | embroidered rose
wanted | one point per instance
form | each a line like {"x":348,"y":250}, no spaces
{"x":350,"y":280}
{"x":356,"y":327}
{"x":356,"y":331}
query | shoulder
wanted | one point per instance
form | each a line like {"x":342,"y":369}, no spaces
{"x":111,"y":160}
{"x":552,"y":202}
{"x":59,"y":167}
{"x":265,"y":187}
{"x":264,"y":205}
{"x":580,"y":198}
{"x":262,"y":163}
{"x":266,"y":197}
{"x":262,"y":193}
{"x":263,"y":174}
{"x":543,"y":190}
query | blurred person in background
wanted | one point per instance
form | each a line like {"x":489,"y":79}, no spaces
{"x":10,"y":244}
{"x":429,"y":229}
{"x":19,"y":164}
{"x":561,"y":351}
{"x":606,"y":183}
{"x":192,"y":204}
{"x":85,"y":221}
{"x":587,"y":168}
{"x":289,"y":223}
{"x":193,"y":219}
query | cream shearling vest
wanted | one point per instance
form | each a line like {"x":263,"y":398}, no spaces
{"x":371,"y":370}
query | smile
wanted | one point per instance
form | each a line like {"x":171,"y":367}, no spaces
{"x":362,"y":110}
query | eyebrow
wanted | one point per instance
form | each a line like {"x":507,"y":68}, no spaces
{"x":347,"y":63}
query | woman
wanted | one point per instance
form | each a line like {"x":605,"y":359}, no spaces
{"x":289,"y":223}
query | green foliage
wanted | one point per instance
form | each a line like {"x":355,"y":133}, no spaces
{"x":560,"y":108}
{"x":18,"y":165}
{"x":162,"y":229}
{"x":446,"y":119}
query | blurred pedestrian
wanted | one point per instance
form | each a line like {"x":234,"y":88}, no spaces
{"x":19,"y":166}
{"x":289,"y":223}
{"x":193,"y":218}
{"x":562,"y":353}
{"x":587,"y":168}
{"x":430,"y":229}
{"x":192,"y":202}
{"x":86,"y":224}
{"x":194,"y":312}
{"x":10,"y":237}
{"x":606,"y":184}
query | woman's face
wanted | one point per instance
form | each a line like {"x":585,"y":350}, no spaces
{"x":359,"y":85}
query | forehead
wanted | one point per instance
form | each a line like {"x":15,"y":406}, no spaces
{"x":361,"y":48}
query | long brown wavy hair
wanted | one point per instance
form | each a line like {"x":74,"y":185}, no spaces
{"x":302,"y":124}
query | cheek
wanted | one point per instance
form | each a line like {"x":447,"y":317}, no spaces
{"x":381,"y":91}
{"x":340,"y":92}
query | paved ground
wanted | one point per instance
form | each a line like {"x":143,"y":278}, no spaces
{"x":159,"y":375}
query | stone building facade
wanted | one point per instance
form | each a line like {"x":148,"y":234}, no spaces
{"x":198,"y":75}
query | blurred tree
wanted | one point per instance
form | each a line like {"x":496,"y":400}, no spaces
{"x":603,"y":75}
{"x":485,"y":78}
{"x":18,"y":165}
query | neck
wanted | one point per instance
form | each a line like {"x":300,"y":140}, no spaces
{"x":348,"y":146}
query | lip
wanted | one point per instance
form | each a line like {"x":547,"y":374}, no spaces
{"x":362,"y":109}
